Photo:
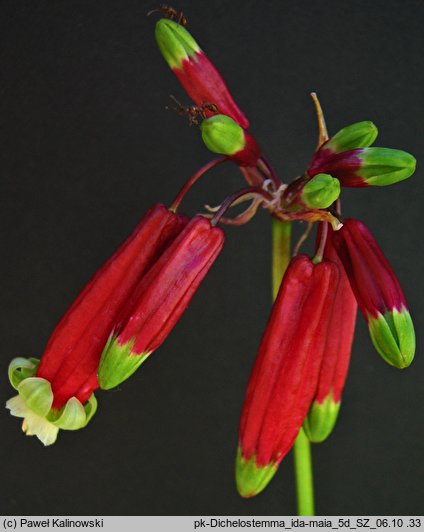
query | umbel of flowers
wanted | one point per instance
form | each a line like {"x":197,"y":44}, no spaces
{"x":132,"y":303}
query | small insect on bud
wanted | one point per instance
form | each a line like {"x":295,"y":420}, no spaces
{"x":171,"y":13}
{"x":200,"y":79}
{"x":378,"y":293}
{"x":222,"y":135}
{"x":320,"y":191}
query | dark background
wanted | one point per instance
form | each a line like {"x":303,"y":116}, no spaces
{"x":87,"y":146}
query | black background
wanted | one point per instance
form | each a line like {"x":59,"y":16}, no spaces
{"x":86,"y":146}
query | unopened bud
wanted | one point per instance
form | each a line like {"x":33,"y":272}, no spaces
{"x":199,"y":77}
{"x":321,"y":191}
{"x":367,"y":167}
{"x":358,"y":135}
{"x":221,"y":134}
{"x":393,"y":336}
{"x":175,"y":42}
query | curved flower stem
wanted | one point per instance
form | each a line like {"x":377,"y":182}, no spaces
{"x":243,"y":194}
{"x":320,"y":251}
{"x":281,"y":233}
{"x":193,"y":179}
{"x":265,"y":167}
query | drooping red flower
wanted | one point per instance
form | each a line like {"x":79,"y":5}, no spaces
{"x":284,"y":378}
{"x":160,"y":300}
{"x":52,"y":391}
{"x":378,"y":293}
{"x":324,"y":409}
{"x":74,"y":348}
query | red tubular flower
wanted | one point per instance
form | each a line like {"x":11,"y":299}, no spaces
{"x":348,"y":157}
{"x":378,"y":293}
{"x":325,"y":407}
{"x":57,"y":387}
{"x":160,"y":300}
{"x":285,"y":374}
{"x":365,"y":167}
{"x":201,"y":80}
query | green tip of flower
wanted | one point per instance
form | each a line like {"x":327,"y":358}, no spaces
{"x":34,"y":404}
{"x":393,"y":336}
{"x":118,"y":363}
{"x":251,"y":479}
{"x":74,"y":415}
{"x":385,"y":166}
{"x":358,"y":135}
{"x":37,"y":394}
{"x":321,"y":419}
{"x":222,"y":135}
{"x":33,"y":424}
{"x":321,"y":191}
{"x":21,"y":368}
{"x":175,"y":42}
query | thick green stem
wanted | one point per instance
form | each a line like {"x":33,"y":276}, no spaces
{"x":303,"y":473}
{"x":281,"y":235}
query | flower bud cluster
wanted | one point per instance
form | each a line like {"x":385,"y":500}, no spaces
{"x":303,"y":359}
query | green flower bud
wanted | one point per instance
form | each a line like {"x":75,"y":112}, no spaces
{"x":175,"y":42}
{"x":364,"y":167}
{"x":358,"y":135}
{"x":321,"y":191}
{"x":385,"y":166}
{"x":222,"y":135}
{"x":393,"y":336}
